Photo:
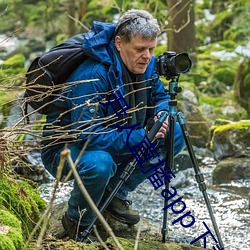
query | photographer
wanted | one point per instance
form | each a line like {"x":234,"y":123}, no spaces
{"x":124,"y":91}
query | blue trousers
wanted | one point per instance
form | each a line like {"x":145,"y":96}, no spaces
{"x":99,"y":171}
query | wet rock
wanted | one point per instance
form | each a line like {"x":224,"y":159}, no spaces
{"x":231,"y":169}
{"x":197,"y":125}
{"x":183,"y":161}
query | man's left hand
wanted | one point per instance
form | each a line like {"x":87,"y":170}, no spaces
{"x":164,"y":128}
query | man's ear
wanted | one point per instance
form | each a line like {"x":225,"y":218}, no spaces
{"x":118,"y":42}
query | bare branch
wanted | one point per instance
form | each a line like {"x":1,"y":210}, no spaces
{"x":66,"y":154}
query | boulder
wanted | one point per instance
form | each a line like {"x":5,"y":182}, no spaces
{"x":197,"y":125}
{"x":230,"y":139}
{"x":231,"y":169}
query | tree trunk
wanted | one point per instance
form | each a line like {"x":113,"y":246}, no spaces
{"x":71,"y":6}
{"x":83,"y":8}
{"x":181,"y":27}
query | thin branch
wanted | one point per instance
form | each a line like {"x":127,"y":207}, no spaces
{"x":77,"y":21}
{"x":137,"y":236}
{"x":99,"y":238}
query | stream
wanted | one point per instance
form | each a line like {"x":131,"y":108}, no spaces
{"x":230,"y":203}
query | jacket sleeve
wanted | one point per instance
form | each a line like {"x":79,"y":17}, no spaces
{"x":89,"y":121}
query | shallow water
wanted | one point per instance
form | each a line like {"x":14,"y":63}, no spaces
{"x":230,"y":203}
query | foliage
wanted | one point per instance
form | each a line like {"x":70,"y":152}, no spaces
{"x":12,"y":69}
{"x":242,"y":84}
{"x":224,"y":75}
{"x":228,"y":23}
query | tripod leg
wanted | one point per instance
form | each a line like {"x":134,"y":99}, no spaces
{"x":170,"y":164}
{"x":124,"y":176}
{"x":199,"y":176}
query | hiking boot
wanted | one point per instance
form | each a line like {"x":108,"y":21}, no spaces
{"x":121,"y":211}
{"x":75,"y":231}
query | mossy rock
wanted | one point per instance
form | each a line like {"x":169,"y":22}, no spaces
{"x":11,"y":237}
{"x":22,"y":200}
{"x":232,"y":139}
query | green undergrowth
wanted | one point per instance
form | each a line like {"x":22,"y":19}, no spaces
{"x":20,"y":210}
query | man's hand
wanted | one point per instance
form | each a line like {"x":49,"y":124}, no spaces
{"x":164,"y":128}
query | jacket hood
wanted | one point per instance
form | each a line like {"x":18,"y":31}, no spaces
{"x":98,"y":43}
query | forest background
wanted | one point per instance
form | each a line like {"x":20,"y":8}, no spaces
{"x":214,"y":33}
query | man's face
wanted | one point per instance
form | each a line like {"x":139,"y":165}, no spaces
{"x":137,"y":53}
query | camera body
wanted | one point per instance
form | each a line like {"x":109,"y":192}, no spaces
{"x":171,"y":65}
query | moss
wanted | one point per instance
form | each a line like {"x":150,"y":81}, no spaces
{"x":128,"y":244}
{"x":16,"y":237}
{"x":16,"y":61}
{"x":13,"y":239}
{"x":6,"y":243}
{"x":229,"y":45}
{"x":219,"y":103}
{"x":13,"y":71}
{"x":214,"y":101}
{"x":234,"y":125}
{"x":225,"y":75}
{"x":9,"y":219}
{"x":220,"y":24}
{"x":21,"y":199}
{"x":65,"y":245}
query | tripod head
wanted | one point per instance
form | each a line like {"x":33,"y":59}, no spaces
{"x":174,"y":89}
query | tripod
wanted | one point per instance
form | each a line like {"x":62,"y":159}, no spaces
{"x":173,"y":90}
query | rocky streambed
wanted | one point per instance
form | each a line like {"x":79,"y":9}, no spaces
{"x":230,"y":203}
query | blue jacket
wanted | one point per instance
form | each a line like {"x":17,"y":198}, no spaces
{"x":87,"y":118}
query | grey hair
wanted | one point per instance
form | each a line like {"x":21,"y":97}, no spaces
{"x":137,"y":22}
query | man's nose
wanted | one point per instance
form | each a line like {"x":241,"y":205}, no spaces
{"x":146,"y":54}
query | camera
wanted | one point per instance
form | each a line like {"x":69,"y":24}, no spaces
{"x":171,"y":65}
